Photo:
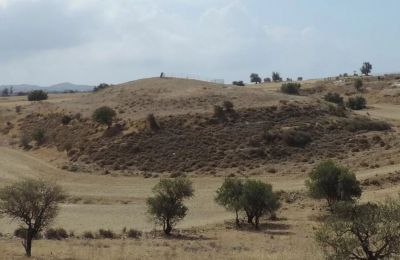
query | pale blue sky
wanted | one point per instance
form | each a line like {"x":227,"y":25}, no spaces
{"x":93,"y":41}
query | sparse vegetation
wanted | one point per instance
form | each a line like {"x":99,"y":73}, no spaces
{"x":37,"y":95}
{"x":166,"y":207}
{"x":368,"y":231}
{"x":357,"y":103}
{"x":291,"y":88}
{"x":33,"y":203}
{"x":106,"y":233}
{"x":104,"y":115}
{"x":133,"y":233}
{"x":333,"y":183}
{"x":366,"y":124}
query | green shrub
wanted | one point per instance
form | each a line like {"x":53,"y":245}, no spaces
{"x":357,"y":103}
{"x":66,"y":119}
{"x":104,"y":115}
{"x":152,"y":123}
{"x":106,"y":234}
{"x":101,"y":87}
{"x":133,"y":233}
{"x":229,"y":195}
{"x":334,"y":98}
{"x":291,"y":88}
{"x":296,"y":138}
{"x":39,"y":135}
{"x":37,"y":95}
{"x":58,"y":233}
{"x":88,"y":235}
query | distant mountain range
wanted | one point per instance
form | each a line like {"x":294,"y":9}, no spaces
{"x":61,"y":87}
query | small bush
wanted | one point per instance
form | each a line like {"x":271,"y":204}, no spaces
{"x":18,"y":109}
{"x":334,"y":98}
{"x":358,"y":84}
{"x":133,"y":233}
{"x":227,"y":105}
{"x":88,"y":235}
{"x":39,"y":135}
{"x":106,"y":234}
{"x":66,"y":119}
{"x":57,"y":234}
{"x":37,"y":95}
{"x":291,"y":88}
{"x":104,"y":115}
{"x":357,"y":103}
{"x":296,"y":138}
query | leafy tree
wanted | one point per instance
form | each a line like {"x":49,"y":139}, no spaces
{"x":267,"y":80}
{"x":37,"y":95}
{"x":254,"y":78}
{"x":333,"y":183}
{"x":291,"y":88}
{"x":357,"y":103}
{"x":33,"y":203}
{"x":358,"y":84}
{"x":5,"y":92}
{"x":334,"y":98}
{"x":366,"y":68}
{"x":276,"y":77}
{"x":229,"y":195}
{"x":368,"y":231}
{"x":257,"y":200}
{"x":104,"y":115}
{"x":166,"y":207}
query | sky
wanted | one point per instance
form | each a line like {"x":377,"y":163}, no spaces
{"x":92,"y":41}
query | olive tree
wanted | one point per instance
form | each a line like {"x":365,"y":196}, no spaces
{"x":368,"y":231}
{"x":34,"y":203}
{"x":258,"y":199}
{"x":229,"y":195}
{"x":104,"y":115}
{"x":333,"y":183}
{"x":37,"y":95}
{"x":166,"y":206}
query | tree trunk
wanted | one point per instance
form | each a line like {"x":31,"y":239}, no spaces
{"x":250,"y":217}
{"x":28,"y":242}
{"x":237,"y":220}
{"x":257,"y":222}
{"x":167,"y":227}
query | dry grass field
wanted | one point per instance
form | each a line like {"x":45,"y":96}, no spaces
{"x":116,"y":200}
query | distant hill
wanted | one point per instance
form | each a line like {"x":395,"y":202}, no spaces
{"x":61,"y":87}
